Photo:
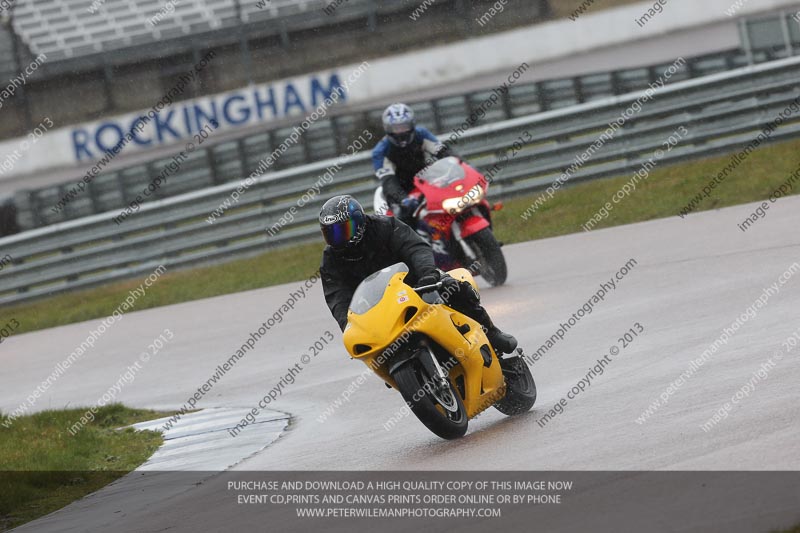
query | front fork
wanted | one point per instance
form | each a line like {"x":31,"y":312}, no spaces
{"x":476,"y":220}
{"x":433,"y":367}
{"x":444,"y":392}
{"x":469,"y":253}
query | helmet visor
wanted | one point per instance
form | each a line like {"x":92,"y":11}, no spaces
{"x":342,"y":233}
{"x":401,"y":134}
{"x":401,"y":127}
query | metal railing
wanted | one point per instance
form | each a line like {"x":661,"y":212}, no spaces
{"x":721,"y":112}
{"x":229,"y":160}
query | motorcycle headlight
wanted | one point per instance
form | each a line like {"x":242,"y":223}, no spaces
{"x":457,"y":205}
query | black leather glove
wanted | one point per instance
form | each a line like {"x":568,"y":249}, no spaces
{"x":399,"y":213}
{"x":407,"y":208}
{"x":450,"y":285}
{"x":428,"y":279}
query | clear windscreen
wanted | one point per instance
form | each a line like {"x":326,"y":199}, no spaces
{"x":443,"y":172}
{"x":371,"y":290}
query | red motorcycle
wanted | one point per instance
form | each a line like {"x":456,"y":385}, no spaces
{"x":455,"y":217}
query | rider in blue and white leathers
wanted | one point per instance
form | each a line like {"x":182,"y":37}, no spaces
{"x":399,"y":156}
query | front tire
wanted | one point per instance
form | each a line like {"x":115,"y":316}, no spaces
{"x":520,"y":387}
{"x":490,"y":256}
{"x":442,"y":411}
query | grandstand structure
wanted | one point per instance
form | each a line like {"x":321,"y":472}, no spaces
{"x":114,"y":56}
{"x":65,"y":29}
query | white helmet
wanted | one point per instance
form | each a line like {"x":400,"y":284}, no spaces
{"x":399,"y":124}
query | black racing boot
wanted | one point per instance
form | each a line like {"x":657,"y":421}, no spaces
{"x":501,"y":342}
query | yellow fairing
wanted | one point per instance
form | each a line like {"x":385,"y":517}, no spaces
{"x":462,"y":274}
{"x":401,"y":312}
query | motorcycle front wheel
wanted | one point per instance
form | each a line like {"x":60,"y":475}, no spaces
{"x":490,"y":256}
{"x":439,"y":408}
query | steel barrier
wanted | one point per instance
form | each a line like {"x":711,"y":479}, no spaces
{"x":722,"y":112}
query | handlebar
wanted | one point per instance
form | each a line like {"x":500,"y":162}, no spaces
{"x":428,"y":288}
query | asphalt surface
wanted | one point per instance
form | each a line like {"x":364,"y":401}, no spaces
{"x":692,"y":278}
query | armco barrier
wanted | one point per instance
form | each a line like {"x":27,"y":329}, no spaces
{"x":224,"y":160}
{"x":722,"y":112}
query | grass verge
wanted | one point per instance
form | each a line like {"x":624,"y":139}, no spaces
{"x":43,"y":468}
{"x":271,"y":268}
{"x":662,"y":194}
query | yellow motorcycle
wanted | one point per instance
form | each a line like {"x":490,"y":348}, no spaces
{"x":439,"y":359}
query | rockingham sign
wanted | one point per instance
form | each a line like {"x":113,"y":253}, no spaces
{"x":176,"y":123}
{"x":180,"y":121}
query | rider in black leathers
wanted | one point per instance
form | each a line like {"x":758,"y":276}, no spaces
{"x":361,"y":244}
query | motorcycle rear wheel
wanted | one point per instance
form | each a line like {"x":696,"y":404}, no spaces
{"x":492,"y":262}
{"x":520,"y":387}
{"x":445,"y":416}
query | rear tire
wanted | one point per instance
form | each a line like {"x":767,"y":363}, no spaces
{"x":520,"y":387}
{"x":447,"y":424}
{"x":490,"y":256}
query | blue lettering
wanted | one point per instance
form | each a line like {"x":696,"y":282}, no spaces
{"x":244,"y":112}
{"x":135,"y":132}
{"x":261,"y":104}
{"x":201,"y":118}
{"x":319,"y":93}
{"x":292,"y":100}
{"x":186,"y":121}
{"x":164,"y":125}
{"x":79,"y":139}
{"x":102,"y":129}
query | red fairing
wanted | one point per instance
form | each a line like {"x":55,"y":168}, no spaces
{"x":454,"y":195}
{"x":436,"y":195}
{"x":470,"y":220}
{"x":473,"y":225}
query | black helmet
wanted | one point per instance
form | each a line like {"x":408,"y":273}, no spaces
{"x":343,"y":222}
